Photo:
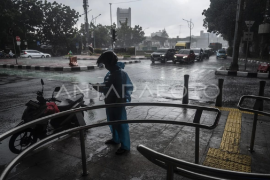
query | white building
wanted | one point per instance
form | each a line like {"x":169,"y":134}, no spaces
{"x":205,"y":39}
{"x":123,"y":15}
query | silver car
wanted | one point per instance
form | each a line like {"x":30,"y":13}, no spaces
{"x":29,"y":53}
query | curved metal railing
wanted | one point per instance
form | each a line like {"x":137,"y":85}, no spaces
{"x":195,"y":171}
{"x":81,"y":129}
{"x":257,"y":109}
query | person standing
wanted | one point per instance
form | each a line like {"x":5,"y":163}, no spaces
{"x":117,"y":88}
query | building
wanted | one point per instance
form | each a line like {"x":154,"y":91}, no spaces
{"x":123,"y":15}
{"x":160,"y":33}
{"x":205,"y":39}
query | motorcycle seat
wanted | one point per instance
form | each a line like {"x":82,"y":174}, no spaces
{"x":68,"y":103}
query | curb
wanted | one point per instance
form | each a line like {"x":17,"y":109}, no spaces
{"x":51,"y":68}
{"x":118,"y":58}
{"x":219,"y":71}
{"x":253,"y":61}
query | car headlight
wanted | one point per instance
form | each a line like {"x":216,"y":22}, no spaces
{"x":175,"y":56}
{"x":162,"y":55}
{"x":185,"y":57}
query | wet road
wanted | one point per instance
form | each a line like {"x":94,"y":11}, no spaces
{"x":153,"y":83}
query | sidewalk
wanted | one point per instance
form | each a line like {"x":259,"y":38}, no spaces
{"x":53,"y":64}
{"x":218,"y":148}
{"x":250,"y":71}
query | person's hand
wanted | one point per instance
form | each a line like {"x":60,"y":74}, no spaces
{"x":95,"y":86}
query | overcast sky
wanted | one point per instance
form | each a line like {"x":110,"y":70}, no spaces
{"x":152,"y":15}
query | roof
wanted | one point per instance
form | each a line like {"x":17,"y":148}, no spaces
{"x":181,"y":43}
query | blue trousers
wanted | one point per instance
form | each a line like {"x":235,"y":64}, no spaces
{"x":120,"y":132}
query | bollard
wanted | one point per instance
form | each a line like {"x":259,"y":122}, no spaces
{"x":84,"y":173}
{"x":258,"y":106}
{"x":219,"y":97}
{"x":185,"y":92}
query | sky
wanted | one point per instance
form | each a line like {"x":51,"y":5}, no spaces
{"x":151,"y":15}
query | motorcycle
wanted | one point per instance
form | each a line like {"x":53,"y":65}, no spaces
{"x":2,"y":54}
{"x":40,"y":108}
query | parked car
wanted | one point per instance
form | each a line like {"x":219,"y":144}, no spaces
{"x":184,"y":56}
{"x":208,"y":52}
{"x":199,"y":55}
{"x":163,"y":55}
{"x":263,"y":68}
{"x":221,"y":54}
{"x":34,"y":54}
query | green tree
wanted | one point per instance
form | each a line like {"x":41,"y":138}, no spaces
{"x":220,"y":18}
{"x":18,"y":15}
{"x":128,"y":36}
{"x":164,"y":33}
{"x":57,"y":26}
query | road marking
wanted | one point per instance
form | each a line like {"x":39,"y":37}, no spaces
{"x":228,"y":155}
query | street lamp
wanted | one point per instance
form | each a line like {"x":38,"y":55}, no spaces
{"x":145,"y":29}
{"x":191,"y":26}
{"x":94,"y":29}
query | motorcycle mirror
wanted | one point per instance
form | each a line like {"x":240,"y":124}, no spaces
{"x":42,"y":82}
{"x":57,"y":89}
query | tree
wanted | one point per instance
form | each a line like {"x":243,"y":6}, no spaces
{"x":164,"y":33}
{"x":18,"y":15}
{"x":57,"y":25}
{"x":220,"y":18}
{"x":128,"y":36}
{"x":101,"y":35}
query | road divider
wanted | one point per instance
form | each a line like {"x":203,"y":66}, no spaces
{"x":58,"y":68}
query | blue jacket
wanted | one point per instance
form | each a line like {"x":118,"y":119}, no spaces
{"x":120,"y":81}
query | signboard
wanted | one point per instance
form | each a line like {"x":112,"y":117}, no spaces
{"x":18,"y":38}
{"x":248,"y":36}
{"x":249,"y":23}
{"x":18,"y":43}
{"x":38,"y":43}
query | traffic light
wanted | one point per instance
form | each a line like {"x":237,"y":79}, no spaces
{"x":114,"y":35}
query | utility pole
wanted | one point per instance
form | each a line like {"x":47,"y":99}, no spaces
{"x":208,"y":40}
{"x":111,"y":22}
{"x":191,"y":26}
{"x":85,"y":7}
{"x":111,"y":12}
{"x":237,"y":35}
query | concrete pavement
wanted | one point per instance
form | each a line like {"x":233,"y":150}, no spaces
{"x":62,"y":159}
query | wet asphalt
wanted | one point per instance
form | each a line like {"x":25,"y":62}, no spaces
{"x":153,"y":83}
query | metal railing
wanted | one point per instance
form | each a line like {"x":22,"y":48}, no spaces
{"x":81,"y":129}
{"x":257,"y":109}
{"x":195,"y":171}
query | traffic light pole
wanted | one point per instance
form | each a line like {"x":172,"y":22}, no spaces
{"x":15,"y":50}
{"x":112,"y":38}
{"x":247,"y":49}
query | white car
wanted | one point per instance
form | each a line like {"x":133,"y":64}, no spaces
{"x":29,"y":53}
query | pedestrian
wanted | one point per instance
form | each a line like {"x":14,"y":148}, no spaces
{"x":117,"y":88}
